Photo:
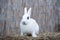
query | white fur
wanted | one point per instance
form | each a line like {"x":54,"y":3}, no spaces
{"x":31,"y":26}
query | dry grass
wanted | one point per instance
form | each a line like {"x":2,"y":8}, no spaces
{"x":42,"y":36}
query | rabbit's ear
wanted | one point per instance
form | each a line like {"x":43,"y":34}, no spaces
{"x":25,"y":10}
{"x":29,"y":11}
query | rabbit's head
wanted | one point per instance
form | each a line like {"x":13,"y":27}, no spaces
{"x":26,"y":16}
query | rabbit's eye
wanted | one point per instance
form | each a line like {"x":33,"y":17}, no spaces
{"x":27,"y":17}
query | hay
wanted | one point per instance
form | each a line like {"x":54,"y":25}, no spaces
{"x":42,"y":36}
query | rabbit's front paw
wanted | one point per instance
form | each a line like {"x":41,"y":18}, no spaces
{"x":34,"y":35}
{"x":21,"y":34}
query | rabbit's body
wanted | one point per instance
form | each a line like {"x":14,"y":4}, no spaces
{"x":28,"y":25}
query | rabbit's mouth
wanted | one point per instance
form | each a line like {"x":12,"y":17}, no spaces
{"x":24,"y":23}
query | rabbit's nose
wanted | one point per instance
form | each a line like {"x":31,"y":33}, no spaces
{"x":24,"y":23}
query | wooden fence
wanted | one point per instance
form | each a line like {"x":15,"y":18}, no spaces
{"x":45,"y":12}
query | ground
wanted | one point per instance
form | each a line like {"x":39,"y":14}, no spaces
{"x":42,"y":36}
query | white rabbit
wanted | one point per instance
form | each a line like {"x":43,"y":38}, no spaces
{"x":28,"y":25}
